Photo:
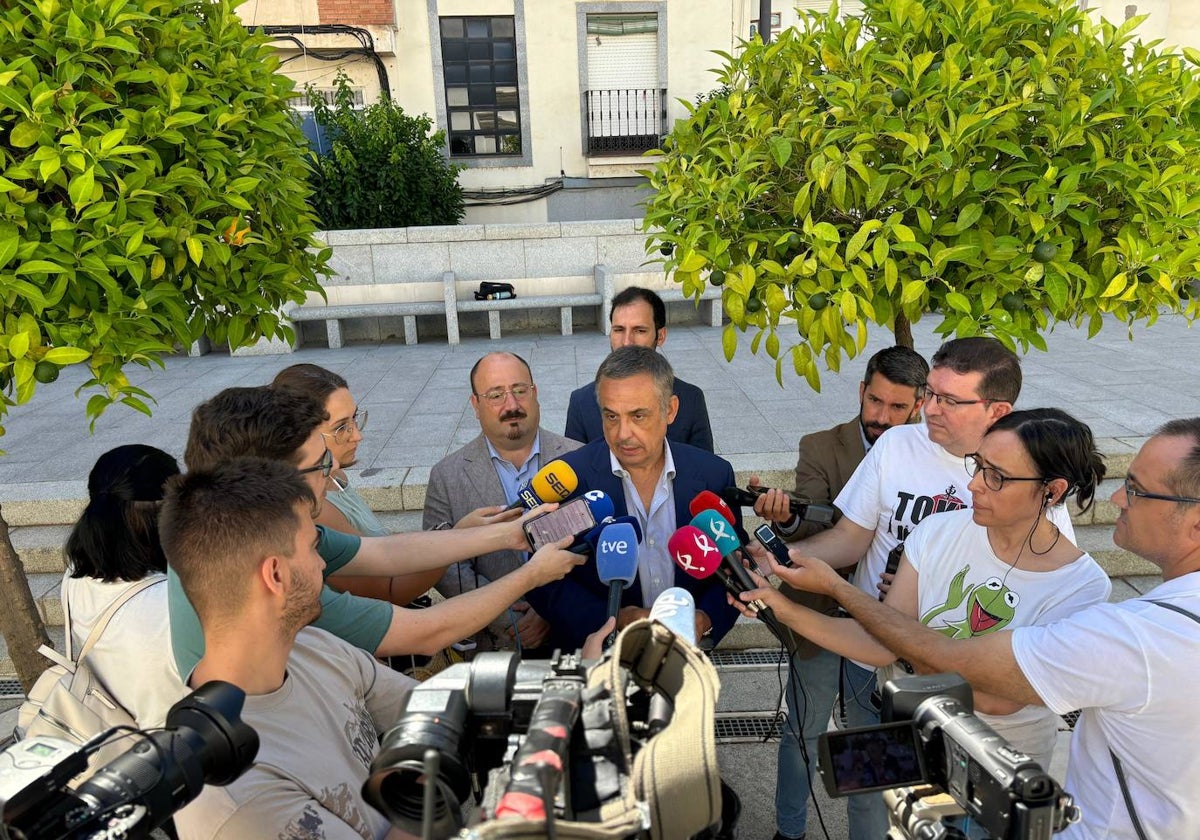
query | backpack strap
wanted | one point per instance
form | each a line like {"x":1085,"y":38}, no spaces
{"x":1116,"y":762}
{"x":102,"y":624}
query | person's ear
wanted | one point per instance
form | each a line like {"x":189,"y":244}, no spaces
{"x":998,"y":409}
{"x":272,"y":574}
{"x":672,"y":409}
{"x":660,"y":337}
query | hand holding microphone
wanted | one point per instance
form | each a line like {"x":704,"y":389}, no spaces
{"x":777,"y":505}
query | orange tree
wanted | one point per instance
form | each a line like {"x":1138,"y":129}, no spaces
{"x":1006,"y":165}
{"x":152,"y":190}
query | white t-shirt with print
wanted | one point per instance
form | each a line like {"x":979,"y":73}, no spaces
{"x":965,"y":590}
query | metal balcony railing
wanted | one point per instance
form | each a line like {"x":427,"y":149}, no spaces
{"x":625,"y":121}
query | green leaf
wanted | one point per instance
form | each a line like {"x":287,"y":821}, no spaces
{"x":781,"y":150}
{"x":958,"y":301}
{"x":968,"y":216}
{"x":1115,"y":286}
{"x":24,"y":134}
{"x":956,"y":253}
{"x":825,"y":232}
{"x":18,"y":345}
{"x":195,"y":249}
{"x":729,"y":341}
{"x":63,"y":356}
{"x":81,"y":187}
{"x":913,"y":289}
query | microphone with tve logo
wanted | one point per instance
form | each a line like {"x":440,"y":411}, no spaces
{"x":552,"y":483}
{"x":616,"y":564}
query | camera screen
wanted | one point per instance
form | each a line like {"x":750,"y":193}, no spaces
{"x":571,"y":519}
{"x":871,"y":758}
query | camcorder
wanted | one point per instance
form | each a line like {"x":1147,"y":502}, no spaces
{"x":557,"y":742}
{"x":930,"y":742}
{"x":204,"y":742}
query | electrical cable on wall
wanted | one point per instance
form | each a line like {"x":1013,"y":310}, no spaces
{"x":507,"y":197}
{"x":289,"y":32}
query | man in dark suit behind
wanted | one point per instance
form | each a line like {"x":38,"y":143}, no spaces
{"x":639,"y":317}
{"x":887,"y":396}
{"x":650,"y":478}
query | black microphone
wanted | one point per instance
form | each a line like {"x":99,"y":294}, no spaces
{"x":807,"y":511}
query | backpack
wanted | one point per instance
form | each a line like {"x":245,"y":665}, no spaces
{"x":495,"y":291}
{"x":69,"y":701}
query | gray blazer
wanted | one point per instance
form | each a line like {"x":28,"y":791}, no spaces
{"x":466,"y":480}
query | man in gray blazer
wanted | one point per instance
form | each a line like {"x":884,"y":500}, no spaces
{"x":488,"y":471}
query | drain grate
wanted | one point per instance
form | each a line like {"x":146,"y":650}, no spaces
{"x":745,"y":658}
{"x":746,"y":728}
{"x":11,"y":688}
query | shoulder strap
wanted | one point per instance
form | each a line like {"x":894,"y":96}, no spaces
{"x":102,"y":624}
{"x":1133,"y":817}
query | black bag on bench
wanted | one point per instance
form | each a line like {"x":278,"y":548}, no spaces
{"x":495,"y":291}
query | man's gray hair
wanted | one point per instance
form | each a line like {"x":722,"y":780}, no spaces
{"x":625,"y":362}
{"x":1184,"y":480}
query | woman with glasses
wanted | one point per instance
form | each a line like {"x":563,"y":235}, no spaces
{"x":346,"y":510}
{"x":998,"y":565}
{"x":112,"y":551}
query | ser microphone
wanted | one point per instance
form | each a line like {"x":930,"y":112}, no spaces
{"x":616,"y":564}
{"x":807,"y":511}
{"x":552,"y":483}
{"x":730,"y":570}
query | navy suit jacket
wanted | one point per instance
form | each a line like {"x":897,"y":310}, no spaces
{"x":578,"y":604}
{"x":691,"y":424}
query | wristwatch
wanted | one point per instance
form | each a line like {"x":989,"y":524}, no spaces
{"x":442,"y":526}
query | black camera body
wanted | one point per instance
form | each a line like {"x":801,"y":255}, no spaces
{"x":465,"y":728}
{"x":204,"y":742}
{"x":931,"y":737}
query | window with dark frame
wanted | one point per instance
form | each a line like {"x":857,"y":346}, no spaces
{"x":479,"y":64}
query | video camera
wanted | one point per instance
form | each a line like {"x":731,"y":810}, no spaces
{"x":931,"y":738}
{"x":557,"y":742}
{"x":204,"y":742}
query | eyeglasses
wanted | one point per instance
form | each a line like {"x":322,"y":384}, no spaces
{"x":1131,"y":492}
{"x":951,"y":403}
{"x":325,"y":466}
{"x":993,"y":479}
{"x":496,"y":396}
{"x":342,"y":433}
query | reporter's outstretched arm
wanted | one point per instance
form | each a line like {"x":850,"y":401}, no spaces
{"x":420,"y":550}
{"x":429,"y":630}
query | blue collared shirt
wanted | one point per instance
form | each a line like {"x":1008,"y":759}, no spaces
{"x":656,"y":569}
{"x":513,"y":478}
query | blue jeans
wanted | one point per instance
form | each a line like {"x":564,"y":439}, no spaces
{"x":868,"y":816}
{"x":811,"y":689}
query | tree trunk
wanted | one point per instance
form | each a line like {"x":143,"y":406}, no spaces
{"x":903,"y":331}
{"x":20,"y":623}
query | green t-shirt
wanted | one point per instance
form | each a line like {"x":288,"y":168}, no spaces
{"x":363,"y":622}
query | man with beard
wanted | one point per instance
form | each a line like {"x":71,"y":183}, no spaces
{"x":508,"y":452}
{"x":890,"y":394}
{"x":241,"y":538}
{"x":909,"y":473}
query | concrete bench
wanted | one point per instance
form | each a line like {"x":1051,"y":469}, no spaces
{"x":710,"y":299}
{"x":601,"y":298}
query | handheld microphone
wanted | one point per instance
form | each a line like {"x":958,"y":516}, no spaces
{"x":599,"y":504}
{"x":807,"y":511}
{"x":587,"y":543}
{"x":552,"y":483}
{"x":694,"y":552}
{"x":616,"y":563}
{"x":675,"y":609}
{"x":708,"y":500}
{"x":730,"y":571}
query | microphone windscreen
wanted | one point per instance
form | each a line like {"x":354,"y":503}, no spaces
{"x":694,"y":552}
{"x":708,"y":500}
{"x":675,"y":609}
{"x":719,"y":529}
{"x":554,"y":482}
{"x":617,"y":553}
{"x":737,"y":497}
{"x":599,"y":504}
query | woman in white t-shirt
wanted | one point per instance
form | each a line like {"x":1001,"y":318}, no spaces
{"x":998,"y":565}
{"x":112,"y":548}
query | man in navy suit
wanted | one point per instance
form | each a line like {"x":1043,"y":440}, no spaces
{"x":649,"y":478}
{"x":639,"y":317}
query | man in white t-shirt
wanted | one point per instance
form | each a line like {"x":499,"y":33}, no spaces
{"x":911,"y":472}
{"x":1131,"y":666}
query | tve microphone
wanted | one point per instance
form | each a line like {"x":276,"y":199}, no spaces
{"x":731,"y":572}
{"x":616,"y":563}
{"x":708,"y":500}
{"x":675,"y":609}
{"x":552,"y":483}
{"x":807,"y":511}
